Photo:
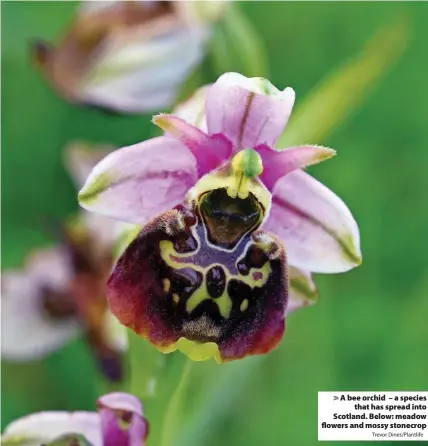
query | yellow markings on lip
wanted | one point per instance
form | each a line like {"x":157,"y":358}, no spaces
{"x":223,"y":302}
{"x":166,"y":285}
{"x":168,"y":253}
{"x":244,"y":305}
{"x":253,"y":279}
{"x":196,"y":298}
{"x":257,"y":277}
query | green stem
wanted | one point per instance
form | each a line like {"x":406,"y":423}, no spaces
{"x":175,"y":406}
{"x":145,"y":367}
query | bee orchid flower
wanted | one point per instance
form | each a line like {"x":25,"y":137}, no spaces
{"x":61,"y":290}
{"x":233,"y":226}
{"x":128,"y":56}
{"x":118,"y":422}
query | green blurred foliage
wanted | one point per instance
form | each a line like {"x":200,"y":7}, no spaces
{"x":369,"y":329}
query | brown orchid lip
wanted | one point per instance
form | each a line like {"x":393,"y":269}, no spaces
{"x":177,"y":281}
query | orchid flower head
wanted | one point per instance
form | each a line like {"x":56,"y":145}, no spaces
{"x":233,"y":225}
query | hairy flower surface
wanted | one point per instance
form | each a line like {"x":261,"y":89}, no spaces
{"x":226,"y":214}
{"x":119,"y":422}
{"x":129,"y":56}
{"x":61,"y":290}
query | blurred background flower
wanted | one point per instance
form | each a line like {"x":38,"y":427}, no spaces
{"x":61,"y":289}
{"x":129,"y":56}
{"x":368,"y":332}
{"x":119,"y":422}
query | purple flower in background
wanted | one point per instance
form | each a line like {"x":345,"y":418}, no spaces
{"x":215,"y":276}
{"x":119,"y":422}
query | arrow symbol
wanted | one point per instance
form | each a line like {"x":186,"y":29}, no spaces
{"x":335,"y":398}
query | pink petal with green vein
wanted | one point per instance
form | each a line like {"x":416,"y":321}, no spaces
{"x":209,"y":151}
{"x":277,"y":163}
{"x":249,"y":111}
{"x":318,"y":230}
{"x":136,"y":183}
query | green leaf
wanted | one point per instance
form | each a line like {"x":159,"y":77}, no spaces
{"x":177,"y":406}
{"x":218,"y":387}
{"x":152,"y":376}
{"x":345,"y":89}
{"x":146,"y":367}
